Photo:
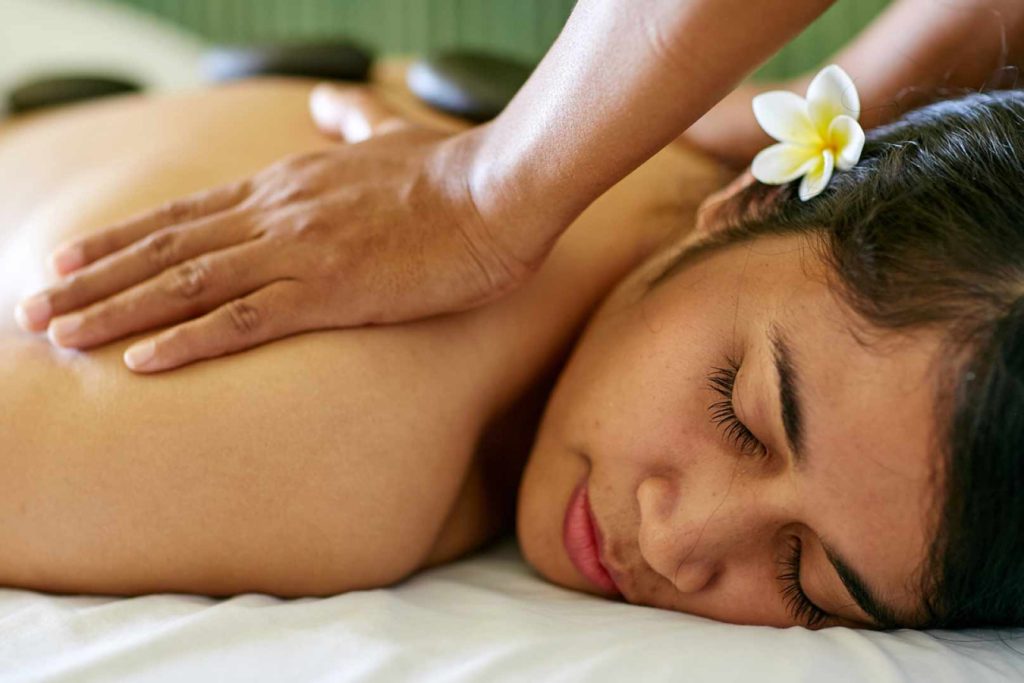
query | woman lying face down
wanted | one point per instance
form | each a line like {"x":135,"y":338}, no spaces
{"x":811,"y":413}
{"x":800,"y":414}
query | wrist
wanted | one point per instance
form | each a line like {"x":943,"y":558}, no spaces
{"x":525,"y":216}
{"x":496,"y":228}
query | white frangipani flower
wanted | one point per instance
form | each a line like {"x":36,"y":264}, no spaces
{"x":816,"y":135}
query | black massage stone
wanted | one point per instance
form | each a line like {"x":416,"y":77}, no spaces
{"x":57,"y":90}
{"x":338,"y":60}
{"x":472,"y":85}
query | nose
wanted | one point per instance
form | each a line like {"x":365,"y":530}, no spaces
{"x":690,"y":536}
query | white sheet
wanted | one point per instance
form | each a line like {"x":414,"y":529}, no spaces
{"x":486,"y":618}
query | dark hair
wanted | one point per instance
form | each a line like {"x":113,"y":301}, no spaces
{"x":927,"y":232}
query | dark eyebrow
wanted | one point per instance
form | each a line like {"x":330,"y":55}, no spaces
{"x":789,"y":398}
{"x":793,"y":424}
{"x":883,"y":615}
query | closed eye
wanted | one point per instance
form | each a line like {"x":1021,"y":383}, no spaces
{"x":722,"y":381}
{"x":800,"y":607}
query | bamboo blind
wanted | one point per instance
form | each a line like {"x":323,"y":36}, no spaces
{"x":517,"y":28}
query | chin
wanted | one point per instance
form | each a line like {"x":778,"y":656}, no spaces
{"x":557,"y":463}
{"x":536,"y":513}
{"x":548,"y":482}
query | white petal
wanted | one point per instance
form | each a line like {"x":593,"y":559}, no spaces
{"x":831,"y":94}
{"x":817,"y":178}
{"x":783,"y":115}
{"x":781,"y":163}
{"x":846,"y":137}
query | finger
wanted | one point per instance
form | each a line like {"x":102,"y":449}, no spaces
{"x":184,"y":291}
{"x":267,"y":314}
{"x":73,"y":255}
{"x":140,"y":261}
{"x":354,"y":113}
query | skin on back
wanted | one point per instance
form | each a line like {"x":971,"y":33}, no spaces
{"x":321,"y":463}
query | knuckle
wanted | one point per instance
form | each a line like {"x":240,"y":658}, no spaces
{"x":255,"y":232}
{"x":62,"y":296}
{"x":179,"y":210}
{"x":292,"y":180}
{"x":190,"y":279}
{"x":294,"y":164}
{"x":101,"y":316}
{"x":109,"y":241}
{"x":238,"y":189}
{"x":161,"y":249}
{"x":310,"y":226}
{"x":243,"y":317}
{"x":75,"y":290}
{"x":94,"y":246}
{"x":303,"y":159}
{"x":295,"y":193}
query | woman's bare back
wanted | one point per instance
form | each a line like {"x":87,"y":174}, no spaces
{"x":322,"y":463}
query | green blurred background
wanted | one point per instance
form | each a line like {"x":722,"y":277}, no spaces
{"x":516,"y":28}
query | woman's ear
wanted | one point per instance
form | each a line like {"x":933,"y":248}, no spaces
{"x":354,"y":113}
{"x":709,"y":216}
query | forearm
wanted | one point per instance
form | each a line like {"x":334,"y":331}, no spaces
{"x":916,"y":46}
{"x":622,"y":80}
{"x":898,"y":62}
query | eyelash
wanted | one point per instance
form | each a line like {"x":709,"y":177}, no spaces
{"x":797,"y":602}
{"x":723,"y":381}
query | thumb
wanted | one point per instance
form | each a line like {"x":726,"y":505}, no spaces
{"x":353,"y":113}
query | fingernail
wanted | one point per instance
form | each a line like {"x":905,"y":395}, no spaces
{"x":62,"y":329}
{"x":138,"y":356}
{"x":34,"y":312}
{"x":68,"y":258}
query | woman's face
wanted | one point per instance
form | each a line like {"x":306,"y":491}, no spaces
{"x":700,"y":513}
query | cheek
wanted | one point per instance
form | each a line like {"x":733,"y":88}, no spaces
{"x":653,"y":395}
{"x":637,"y":383}
{"x":623,"y":388}
{"x":632,"y":400}
{"x":600,"y":407}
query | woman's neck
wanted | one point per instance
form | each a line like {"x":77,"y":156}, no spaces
{"x":485,"y":508}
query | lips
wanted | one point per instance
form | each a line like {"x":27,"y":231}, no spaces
{"x":582,"y":539}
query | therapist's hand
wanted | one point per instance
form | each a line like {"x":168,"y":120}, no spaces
{"x":377,"y":232}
